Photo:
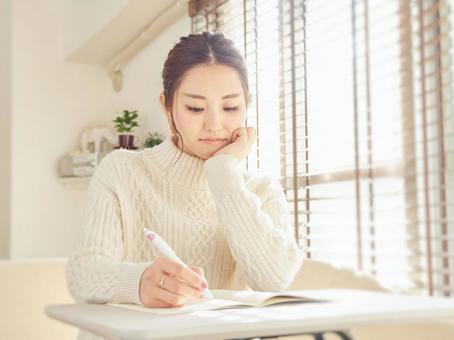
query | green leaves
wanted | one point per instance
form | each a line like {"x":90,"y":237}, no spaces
{"x":152,"y":140}
{"x":127,"y":122}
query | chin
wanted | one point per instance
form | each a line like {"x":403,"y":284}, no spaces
{"x":202,"y":152}
{"x":205,"y":156}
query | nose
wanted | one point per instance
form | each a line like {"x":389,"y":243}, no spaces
{"x":213,"y":121}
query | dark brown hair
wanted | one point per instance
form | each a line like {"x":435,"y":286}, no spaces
{"x":198,"y":49}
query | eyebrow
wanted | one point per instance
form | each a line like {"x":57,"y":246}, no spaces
{"x":233,"y":95}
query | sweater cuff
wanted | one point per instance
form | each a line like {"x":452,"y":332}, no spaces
{"x":127,"y":287}
{"x":223,"y":174}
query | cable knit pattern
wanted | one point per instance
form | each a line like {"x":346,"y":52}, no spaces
{"x":214,"y":214}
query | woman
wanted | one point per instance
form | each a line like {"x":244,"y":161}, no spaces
{"x":231,"y":226}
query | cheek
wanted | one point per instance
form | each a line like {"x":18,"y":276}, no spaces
{"x":185,"y":121}
{"x":238,"y":121}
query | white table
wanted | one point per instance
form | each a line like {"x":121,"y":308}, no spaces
{"x":346,"y":309}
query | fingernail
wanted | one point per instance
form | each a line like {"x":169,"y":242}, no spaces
{"x":203,"y":285}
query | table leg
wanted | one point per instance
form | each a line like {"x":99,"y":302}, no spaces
{"x":343,"y":335}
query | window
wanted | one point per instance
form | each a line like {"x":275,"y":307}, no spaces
{"x":353,"y":109}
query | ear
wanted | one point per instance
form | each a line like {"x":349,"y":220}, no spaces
{"x":162,"y":100}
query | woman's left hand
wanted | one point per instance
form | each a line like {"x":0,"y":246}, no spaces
{"x":242,"y":140}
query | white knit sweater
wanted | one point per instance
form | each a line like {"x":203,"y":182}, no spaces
{"x":214,"y":214}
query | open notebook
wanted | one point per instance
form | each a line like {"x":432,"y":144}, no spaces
{"x":226,"y":299}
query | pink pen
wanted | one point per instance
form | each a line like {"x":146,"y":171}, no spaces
{"x":168,"y":252}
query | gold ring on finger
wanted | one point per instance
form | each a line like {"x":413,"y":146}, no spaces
{"x":161,"y":284}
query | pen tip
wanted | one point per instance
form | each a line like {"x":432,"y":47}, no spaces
{"x":207,"y":294}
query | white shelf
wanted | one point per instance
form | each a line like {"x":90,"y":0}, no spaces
{"x":75,"y":183}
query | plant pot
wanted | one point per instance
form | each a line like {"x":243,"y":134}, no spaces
{"x":126,"y":142}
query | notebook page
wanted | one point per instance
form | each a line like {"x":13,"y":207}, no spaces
{"x":190,"y":306}
{"x":249,"y":297}
{"x":256,"y":298}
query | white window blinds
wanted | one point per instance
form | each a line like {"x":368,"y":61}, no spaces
{"x":353,"y":109}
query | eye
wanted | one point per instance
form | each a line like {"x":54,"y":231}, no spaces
{"x":233,"y":108}
{"x":194,"y":109}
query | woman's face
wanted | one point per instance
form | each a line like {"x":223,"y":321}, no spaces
{"x":209,"y":104}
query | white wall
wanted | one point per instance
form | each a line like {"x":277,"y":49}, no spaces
{"x":5,"y":125}
{"x":143,"y":83}
{"x":53,"y":101}
{"x":85,"y":17}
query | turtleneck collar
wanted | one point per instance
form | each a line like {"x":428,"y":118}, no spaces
{"x":183,"y":169}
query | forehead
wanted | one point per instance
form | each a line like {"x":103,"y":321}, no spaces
{"x":211,"y":80}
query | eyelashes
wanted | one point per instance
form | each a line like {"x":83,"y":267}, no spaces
{"x":200,"y":109}
{"x":194,"y":109}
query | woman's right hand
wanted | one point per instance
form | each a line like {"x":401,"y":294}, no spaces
{"x":180,"y":285}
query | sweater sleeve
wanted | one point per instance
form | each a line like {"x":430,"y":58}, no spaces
{"x":96,"y":272}
{"x":258,"y":229}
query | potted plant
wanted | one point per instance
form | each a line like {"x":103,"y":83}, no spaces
{"x":126,"y":123}
{"x":152,"y":140}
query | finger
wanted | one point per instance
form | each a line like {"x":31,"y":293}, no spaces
{"x":242,"y":134}
{"x":168,"y":297}
{"x":251,"y":135}
{"x":236,"y":134}
{"x":252,"y":131}
{"x":246,"y":135}
{"x":198,"y":270}
{"x":160,"y":304}
{"x":183,"y":272}
{"x":181,"y":288}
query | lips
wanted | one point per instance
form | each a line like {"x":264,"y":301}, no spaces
{"x":213,"y":139}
